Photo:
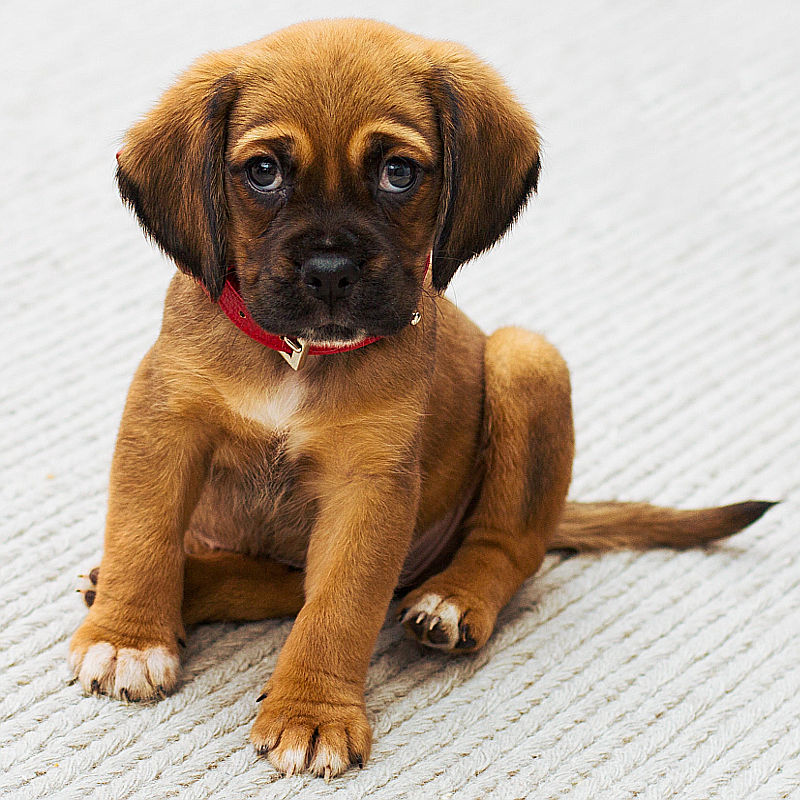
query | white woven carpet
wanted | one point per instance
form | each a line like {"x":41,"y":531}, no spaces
{"x":662,"y":255}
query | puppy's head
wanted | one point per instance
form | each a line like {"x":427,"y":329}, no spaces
{"x":322,"y":164}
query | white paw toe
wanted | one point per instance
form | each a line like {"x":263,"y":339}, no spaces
{"x":327,"y":762}
{"x":289,"y":761}
{"x":125,"y":672}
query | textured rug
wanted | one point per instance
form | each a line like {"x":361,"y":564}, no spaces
{"x":662,"y":256}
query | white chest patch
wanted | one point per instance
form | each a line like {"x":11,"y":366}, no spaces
{"x":274,"y":408}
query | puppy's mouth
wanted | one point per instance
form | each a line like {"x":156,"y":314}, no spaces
{"x":374,"y":311}
{"x":334,"y":335}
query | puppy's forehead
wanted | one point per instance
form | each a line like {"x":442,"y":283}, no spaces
{"x":330,"y":82}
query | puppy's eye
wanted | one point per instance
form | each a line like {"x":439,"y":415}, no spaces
{"x":264,"y":174}
{"x":397,"y":175}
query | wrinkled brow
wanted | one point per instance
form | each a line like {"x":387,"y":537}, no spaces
{"x":270,"y":138}
{"x":403,"y":139}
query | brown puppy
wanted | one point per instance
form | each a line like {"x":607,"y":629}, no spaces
{"x":316,"y":170}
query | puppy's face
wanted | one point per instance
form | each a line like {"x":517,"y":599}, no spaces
{"x":321,"y":165}
{"x":332,"y":182}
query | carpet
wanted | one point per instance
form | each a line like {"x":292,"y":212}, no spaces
{"x":662,"y":256}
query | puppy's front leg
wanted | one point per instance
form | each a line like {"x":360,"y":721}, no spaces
{"x":128,"y":645}
{"x":313,"y":715}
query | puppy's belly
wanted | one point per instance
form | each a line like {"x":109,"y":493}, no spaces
{"x":256,"y":501}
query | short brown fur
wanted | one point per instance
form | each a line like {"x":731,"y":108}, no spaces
{"x":243,"y":490}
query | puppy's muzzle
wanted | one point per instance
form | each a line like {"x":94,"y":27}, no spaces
{"x":330,"y":276}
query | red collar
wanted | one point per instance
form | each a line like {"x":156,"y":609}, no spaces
{"x":293,"y":350}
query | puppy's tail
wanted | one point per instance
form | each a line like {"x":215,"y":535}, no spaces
{"x":636,"y":526}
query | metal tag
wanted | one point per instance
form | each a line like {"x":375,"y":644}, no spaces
{"x":299,"y":349}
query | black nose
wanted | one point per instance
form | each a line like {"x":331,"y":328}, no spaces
{"x":330,"y":276}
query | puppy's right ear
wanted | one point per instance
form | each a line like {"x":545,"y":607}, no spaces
{"x":171,"y":170}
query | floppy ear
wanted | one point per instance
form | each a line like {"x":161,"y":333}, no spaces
{"x":170,"y":171}
{"x":490,"y":157}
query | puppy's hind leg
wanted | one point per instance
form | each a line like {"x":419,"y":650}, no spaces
{"x":528,"y":414}
{"x":223,"y":586}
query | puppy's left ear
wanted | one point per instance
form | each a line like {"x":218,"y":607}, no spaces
{"x":490,"y":158}
{"x":171,"y":171}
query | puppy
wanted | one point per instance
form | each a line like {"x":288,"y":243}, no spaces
{"x":318,"y":189}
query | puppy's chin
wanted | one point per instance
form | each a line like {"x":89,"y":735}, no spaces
{"x":335,"y":335}
{"x":344,"y":326}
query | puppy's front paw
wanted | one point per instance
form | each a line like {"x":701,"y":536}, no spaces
{"x":105,"y":663}
{"x":323,"y":738}
{"x":446,"y":620}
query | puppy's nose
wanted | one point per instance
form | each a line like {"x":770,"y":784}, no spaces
{"x":330,"y":276}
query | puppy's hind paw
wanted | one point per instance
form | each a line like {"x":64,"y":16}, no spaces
{"x":88,"y":587}
{"x":453,"y":622}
